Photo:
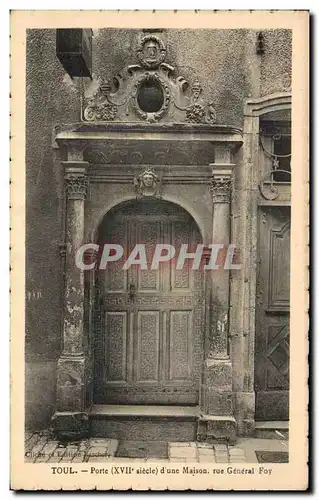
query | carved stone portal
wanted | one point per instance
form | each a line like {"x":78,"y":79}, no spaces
{"x":148,"y":91}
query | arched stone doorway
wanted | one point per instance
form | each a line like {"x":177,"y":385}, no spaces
{"x":149,"y":323}
{"x":199,"y":394}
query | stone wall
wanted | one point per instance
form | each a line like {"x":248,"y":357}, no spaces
{"x":276,"y":62}
{"x":51,"y":100}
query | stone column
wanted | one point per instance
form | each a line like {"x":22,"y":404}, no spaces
{"x":217,"y":387}
{"x":243,"y":283}
{"x":220,"y":188}
{"x":70,"y":418}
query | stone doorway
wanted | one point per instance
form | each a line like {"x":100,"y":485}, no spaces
{"x":149,"y":325}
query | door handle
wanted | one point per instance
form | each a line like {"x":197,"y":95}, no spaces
{"x":132,"y":291}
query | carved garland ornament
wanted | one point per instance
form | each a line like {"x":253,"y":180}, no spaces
{"x":100,"y":112}
{"x":195,"y":113}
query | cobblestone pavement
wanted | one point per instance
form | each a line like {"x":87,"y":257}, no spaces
{"x":41,"y":447}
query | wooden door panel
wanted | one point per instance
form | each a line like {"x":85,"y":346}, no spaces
{"x":147,"y":346}
{"x":272,"y":315}
{"x":148,"y":233}
{"x":181,"y":279}
{"x":115,"y":278}
{"x":180,"y":345}
{"x":116,"y":339}
{"x":149,"y":349}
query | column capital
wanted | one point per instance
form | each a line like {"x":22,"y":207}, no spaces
{"x":76,"y":187}
{"x":76,"y":179}
{"x":220,"y":184}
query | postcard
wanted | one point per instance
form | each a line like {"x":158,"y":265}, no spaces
{"x":160,"y":211}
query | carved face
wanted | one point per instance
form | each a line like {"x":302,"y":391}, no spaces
{"x":148,"y":179}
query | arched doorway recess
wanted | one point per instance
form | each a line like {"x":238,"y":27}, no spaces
{"x":148,"y":326}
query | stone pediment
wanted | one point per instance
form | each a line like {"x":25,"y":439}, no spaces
{"x":149,"y":91}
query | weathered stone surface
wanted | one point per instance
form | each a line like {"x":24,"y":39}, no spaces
{"x":144,"y":430}
{"x":206,"y":451}
{"x":235,"y":451}
{"x":221,"y":429}
{"x":220,"y":447}
{"x":71,"y":384}
{"x":79,"y":457}
{"x":218,"y":374}
{"x":275,"y":71}
{"x":207,"y":458}
{"x":70,"y":425}
{"x":185,"y":452}
{"x":112,"y":447}
{"x":40,"y":377}
{"x":218,"y":402}
{"x":244,"y":407}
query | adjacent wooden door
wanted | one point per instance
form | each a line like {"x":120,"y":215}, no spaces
{"x":149,"y":323}
{"x":272,"y":315}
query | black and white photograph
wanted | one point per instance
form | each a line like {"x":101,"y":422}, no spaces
{"x":158,"y":216}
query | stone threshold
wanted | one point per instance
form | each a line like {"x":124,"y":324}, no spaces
{"x":271,"y":425}
{"x":107,"y":411}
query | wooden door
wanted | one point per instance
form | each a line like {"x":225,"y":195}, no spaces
{"x":148,"y":340}
{"x":272,"y":315}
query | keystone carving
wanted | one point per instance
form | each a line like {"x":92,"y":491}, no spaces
{"x":147,"y":183}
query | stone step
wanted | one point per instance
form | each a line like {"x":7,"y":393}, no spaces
{"x":148,"y":423}
{"x":270,"y":425}
{"x":272,"y":430}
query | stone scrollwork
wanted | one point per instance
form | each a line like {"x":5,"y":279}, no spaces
{"x":150,"y":78}
{"x":147,"y":183}
{"x":197,"y":111}
{"x":76,"y":187}
{"x":98,"y":108}
{"x":152,"y":81}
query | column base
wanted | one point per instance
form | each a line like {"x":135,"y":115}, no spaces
{"x":71,"y":384}
{"x":244,"y":406}
{"x":217,"y":429}
{"x":217,"y":395}
{"x":217,"y":423}
{"x":70,"y":425}
{"x":70,"y":420}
